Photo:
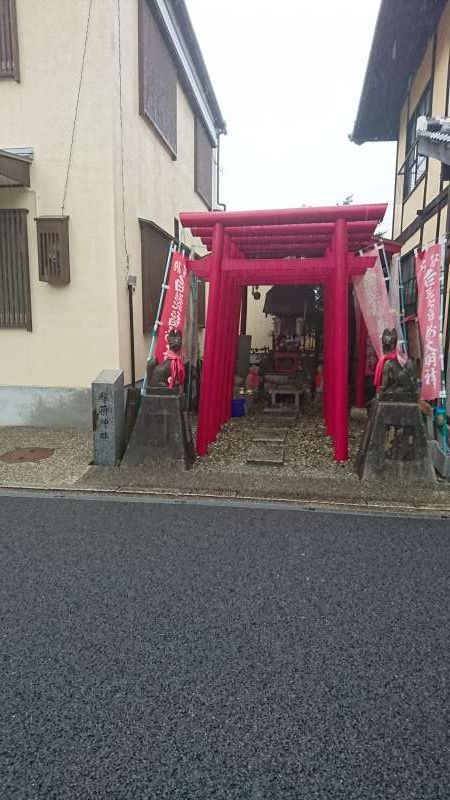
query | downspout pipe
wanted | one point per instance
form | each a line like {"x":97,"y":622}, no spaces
{"x":220,"y":206}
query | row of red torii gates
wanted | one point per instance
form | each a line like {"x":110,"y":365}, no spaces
{"x":315,"y":246}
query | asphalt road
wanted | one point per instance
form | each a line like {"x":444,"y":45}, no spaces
{"x":186,"y":651}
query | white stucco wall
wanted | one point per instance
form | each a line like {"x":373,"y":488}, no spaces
{"x":82,"y":328}
{"x":258,"y":325}
{"x":75,"y":331}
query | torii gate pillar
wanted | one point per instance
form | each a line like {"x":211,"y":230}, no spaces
{"x":340,"y":299}
{"x":205,"y":421}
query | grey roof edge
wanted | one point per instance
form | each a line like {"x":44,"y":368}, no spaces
{"x":402,"y":33}
{"x":182,"y":14}
{"x":353,"y":136}
{"x":18,"y":153}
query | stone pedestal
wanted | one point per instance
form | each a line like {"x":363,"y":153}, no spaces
{"x":394,"y":445}
{"x":108,"y":417}
{"x":243,"y":355}
{"x":161,"y":435}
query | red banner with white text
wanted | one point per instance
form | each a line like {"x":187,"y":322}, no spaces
{"x":174,"y":308}
{"x":428,"y":272}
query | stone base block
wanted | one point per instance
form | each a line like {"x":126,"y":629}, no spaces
{"x":162,"y":434}
{"x":394,"y":445}
{"x":359,"y":414}
{"x":440,"y":459}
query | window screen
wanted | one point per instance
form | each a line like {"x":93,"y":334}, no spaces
{"x":157,"y":79}
{"x":9,"y":48}
{"x":15,"y":303}
{"x":203,"y":164}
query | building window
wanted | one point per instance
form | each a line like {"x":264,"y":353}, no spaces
{"x":155,"y":244}
{"x":409,"y":280}
{"x":157,"y":79}
{"x":9,"y":46}
{"x":415,"y":165}
{"x":203,"y":164}
{"x":15,"y":301}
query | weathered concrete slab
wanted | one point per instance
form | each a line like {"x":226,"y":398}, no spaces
{"x":108,"y":418}
{"x":266,"y":453}
{"x":440,"y":459}
{"x":394,"y":445}
{"x":50,"y":407}
{"x":161,"y":436}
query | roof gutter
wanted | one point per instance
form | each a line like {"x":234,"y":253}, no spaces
{"x":213,"y":125}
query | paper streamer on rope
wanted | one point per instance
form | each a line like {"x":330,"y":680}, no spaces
{"x":373,"y":300}
{"x":174,"y":309}
{"x":428,"y":272}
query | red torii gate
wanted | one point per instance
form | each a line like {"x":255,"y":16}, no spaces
{"x":315,"y":246}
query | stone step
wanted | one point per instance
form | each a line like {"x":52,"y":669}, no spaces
{"x":272,"y":436}
{"x":266,"y":453}
{"x":279,"y":411}
{"x":272,"y":423}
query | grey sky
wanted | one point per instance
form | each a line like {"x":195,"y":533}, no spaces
{"x":288,"y":76}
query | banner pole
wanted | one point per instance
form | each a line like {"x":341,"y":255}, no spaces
{"x":154,"y":333}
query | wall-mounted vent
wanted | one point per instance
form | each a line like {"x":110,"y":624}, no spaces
{"x":53,"y":249}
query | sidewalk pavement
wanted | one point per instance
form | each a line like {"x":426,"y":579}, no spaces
{"x":69,"y":469}
{"x":70,"y":460}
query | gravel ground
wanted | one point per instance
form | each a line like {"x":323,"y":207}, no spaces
{"x":71,"y":457}
{"x":307,"y":448}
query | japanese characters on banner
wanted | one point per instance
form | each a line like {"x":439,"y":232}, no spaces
{"x":373,"y":300}
{"x":174,"y":308}
{"x":428,"y":271}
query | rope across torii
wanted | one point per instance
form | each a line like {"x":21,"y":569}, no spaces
{"x":316,"y":246}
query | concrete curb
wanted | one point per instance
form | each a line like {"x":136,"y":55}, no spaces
{"x":349,"y":506}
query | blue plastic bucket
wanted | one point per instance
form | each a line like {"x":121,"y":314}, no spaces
{"x":238,"y":407}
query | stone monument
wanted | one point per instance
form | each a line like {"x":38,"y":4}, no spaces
{"x":162,"y":434}
{"x":108,"y":417}
{"x":394,"y":444}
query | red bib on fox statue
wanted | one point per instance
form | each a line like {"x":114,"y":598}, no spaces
{"x":389,"y":345}
{"x":171,"y":372}
{"x":177,"y":370}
